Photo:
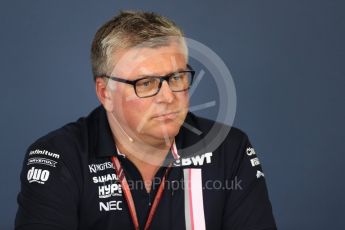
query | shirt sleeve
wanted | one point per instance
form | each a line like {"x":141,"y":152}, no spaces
{"x":247,"y":204}
{"x":48,"y":198}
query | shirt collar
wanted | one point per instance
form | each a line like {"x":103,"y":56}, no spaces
{"x":105,"y":144}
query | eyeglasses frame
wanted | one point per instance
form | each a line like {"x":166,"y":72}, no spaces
{"x":161,"y":79}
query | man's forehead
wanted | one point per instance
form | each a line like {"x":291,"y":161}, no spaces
{"x":149,"y":61}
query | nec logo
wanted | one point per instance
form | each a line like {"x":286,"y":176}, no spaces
{"x":37,"y":175}
{"x":110,"y":206}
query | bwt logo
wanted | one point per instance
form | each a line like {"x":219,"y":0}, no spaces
{"x":37,"y":175}
{"x":196,"y":160}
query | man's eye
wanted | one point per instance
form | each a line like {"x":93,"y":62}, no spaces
{"x":146,"y":83}
{"x":177,"y":77}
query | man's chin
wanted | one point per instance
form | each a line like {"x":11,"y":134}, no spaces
{"x":163,"y":134}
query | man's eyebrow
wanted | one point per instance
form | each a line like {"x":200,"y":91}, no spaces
{"x":160,"y":75}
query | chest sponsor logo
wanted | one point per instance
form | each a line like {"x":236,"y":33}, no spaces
{"x":42,"y":161}
{"x":108,"y":187}
{"x":94,"y":168}
{"x":44,"y":152}
{"x":105,"y":178}
{"x":195,"y":160}
{"x":37,"y":175}
{"x":109,"y":190}
{"x":110,"y":205}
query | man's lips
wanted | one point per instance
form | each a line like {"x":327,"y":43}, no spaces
{"x":166,"y":116}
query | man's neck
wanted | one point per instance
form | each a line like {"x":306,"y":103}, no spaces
{"x":147,"y":160}
{"x":141,"y":153}
{"x":146,"y":153}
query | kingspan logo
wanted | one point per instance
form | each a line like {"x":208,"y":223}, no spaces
{"x":94,"y":168}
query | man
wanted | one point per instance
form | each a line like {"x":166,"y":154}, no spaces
{"x":125,"y":166}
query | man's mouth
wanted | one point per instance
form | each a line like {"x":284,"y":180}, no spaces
{"x":166,"y":116}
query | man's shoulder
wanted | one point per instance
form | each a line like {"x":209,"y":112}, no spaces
{"x":71,"y":136}
{"x":206,"y":125}
{"x":201,"y":134}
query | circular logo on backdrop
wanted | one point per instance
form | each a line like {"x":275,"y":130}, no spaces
{"x":140,"y":114}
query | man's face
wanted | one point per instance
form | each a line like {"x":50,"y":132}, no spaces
{"x":156,"y":118}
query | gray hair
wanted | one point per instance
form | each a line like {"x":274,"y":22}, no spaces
{"x":127,"y":30}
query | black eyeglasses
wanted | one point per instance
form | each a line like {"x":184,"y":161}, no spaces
{"x":149,"y":86}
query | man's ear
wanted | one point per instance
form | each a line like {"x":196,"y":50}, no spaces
{"x":104,"y":94}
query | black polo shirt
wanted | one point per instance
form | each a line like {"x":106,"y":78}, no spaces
{"x":68,"y":182}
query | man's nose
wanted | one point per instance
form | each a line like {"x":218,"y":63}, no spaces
{"x":165,"y":94}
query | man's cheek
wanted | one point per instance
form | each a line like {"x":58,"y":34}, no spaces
{"x":135,"y":114}
{"x":183,"y":98}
